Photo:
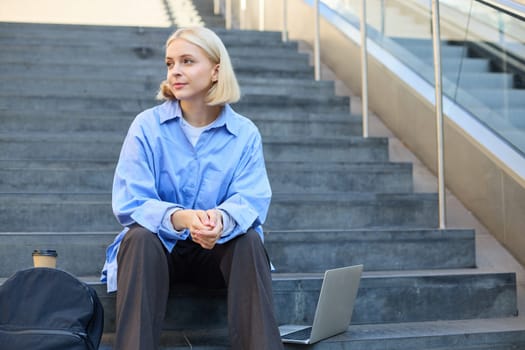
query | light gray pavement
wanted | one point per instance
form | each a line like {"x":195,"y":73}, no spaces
{"x":142,"y":13}
{"x":98,"y":12}
{"x":490,"y":254}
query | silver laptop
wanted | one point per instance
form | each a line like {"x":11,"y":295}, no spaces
{"x":334,"y":307}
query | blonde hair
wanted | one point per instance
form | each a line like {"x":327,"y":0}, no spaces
{"x":226,"y":89}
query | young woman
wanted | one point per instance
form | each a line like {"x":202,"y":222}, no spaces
{"x":192,"y":192}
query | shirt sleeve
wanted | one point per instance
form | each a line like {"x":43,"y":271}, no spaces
{"x":134,"y":197}
{"x":249,"y":194}
{"x":167,"y":225}
{"x":228,"y":224}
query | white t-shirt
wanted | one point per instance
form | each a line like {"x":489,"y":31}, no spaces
{"x":192,"y":132}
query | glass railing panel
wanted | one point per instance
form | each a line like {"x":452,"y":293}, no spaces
{"x":397,"y":26}
{"x":493,"y":92}
{"x":482,"y":54}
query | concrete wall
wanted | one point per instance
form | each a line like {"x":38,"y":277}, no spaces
{"x":491,"y":192}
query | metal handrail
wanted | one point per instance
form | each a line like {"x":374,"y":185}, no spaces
{"x":509,"y":7}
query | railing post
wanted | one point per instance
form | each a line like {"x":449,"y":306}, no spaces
{"x":242,"y":14}
{"x":285,"y":21}
{"x":216,"y":7}
{"x":317,"y":45}
{"x":262,"y":6}
{"x":229,"y":14}
{"x":364,"y":69}
{"x":439,"y":113}
{"x":383,"y":19}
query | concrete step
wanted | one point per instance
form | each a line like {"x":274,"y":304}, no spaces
{"x":383,"y":297}
{"x":291,"y":121}
{"x":482,"y":334}
{"x":243,"y":60}
{"x":104,"y":36}
{"x":332,"y":177}
{"x":486,"y":80}
{"x":205,"y":9}
{"x":352,"y":210}
{"x":121,"y":124}
{"x":465,"y":64}
{"x":77,"y":86}
{"x":204,"y":6}
{"x":425,"y":52}
{"x":87,"y":212}
{"x":154,"y":70}
{"x":425,"y":46}
{"x":469,"y":73}
{"x":44,"y":101}
{"x":461,"y":70}
{"x":456,"y":83}
{"x":213,"y":22}
{"x":106,"y":147}
{"x":137,"y":86}
{"x":127,"y":54}
{"x":208,"y":339}
{"x":378,"y":249}
{"x":255,"y":112}
{"x":75,"y":177}
{"x":276,"y":122}
{"x":292,"y":251}
{"x":140,"y":88}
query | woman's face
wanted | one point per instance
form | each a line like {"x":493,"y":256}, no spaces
{"x":190,"y":72}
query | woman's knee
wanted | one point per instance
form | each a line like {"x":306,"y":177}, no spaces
{"x":251,"y":239}
{"x":139,"y":235}
{"x":250,"y":245}
{"x":138,"y":240}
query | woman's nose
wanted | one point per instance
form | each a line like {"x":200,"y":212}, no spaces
{"x":175,"y":69}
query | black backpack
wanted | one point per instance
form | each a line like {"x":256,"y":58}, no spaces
{"x":49,"y":309}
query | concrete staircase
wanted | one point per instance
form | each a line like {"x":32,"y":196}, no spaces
{"x":68,"y":96}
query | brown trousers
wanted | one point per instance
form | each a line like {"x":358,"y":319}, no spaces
{"x":147,"y":270}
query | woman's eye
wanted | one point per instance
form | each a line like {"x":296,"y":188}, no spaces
{"x":169,"y":64}
{"x":187,"y":61}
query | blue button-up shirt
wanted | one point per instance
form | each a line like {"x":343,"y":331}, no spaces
{"x":159,"y":170}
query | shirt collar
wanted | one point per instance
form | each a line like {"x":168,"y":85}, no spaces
{"x":226,"y":118}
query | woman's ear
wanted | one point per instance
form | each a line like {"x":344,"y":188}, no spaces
{"x":215,"y":73}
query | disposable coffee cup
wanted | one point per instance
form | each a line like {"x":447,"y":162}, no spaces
{"x":45,"y":258}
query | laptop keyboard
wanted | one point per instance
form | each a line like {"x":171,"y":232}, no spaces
{"x":302,"y":334}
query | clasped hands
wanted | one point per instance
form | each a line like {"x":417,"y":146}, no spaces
{"x":205,"y":226}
